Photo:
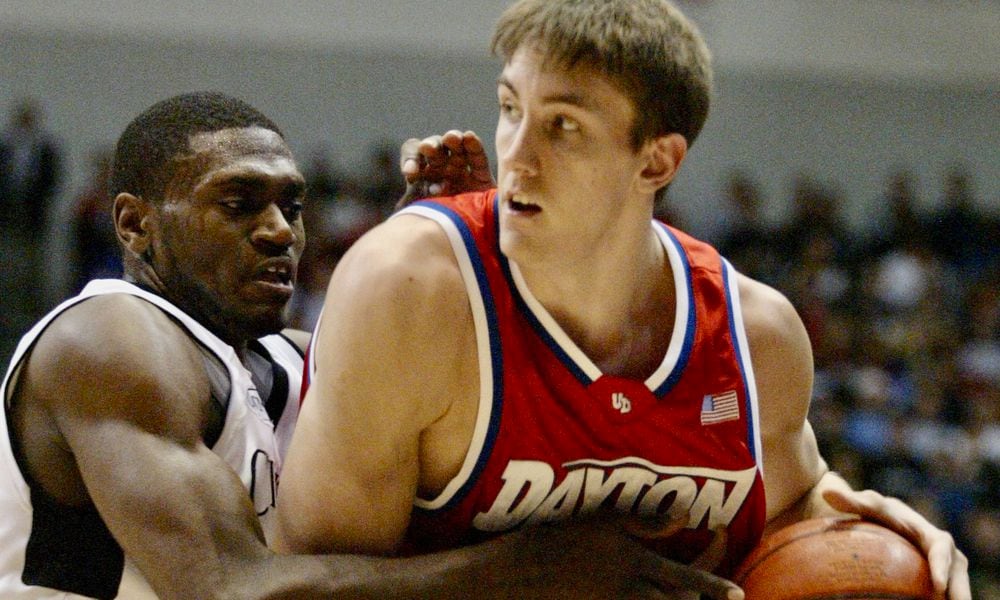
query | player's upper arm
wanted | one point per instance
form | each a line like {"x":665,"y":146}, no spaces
{"x":386,"y":352}
{"x":127,"y":392}
{"x":783,"y":369}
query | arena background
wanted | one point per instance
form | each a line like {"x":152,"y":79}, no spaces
{"x":844,"y":90}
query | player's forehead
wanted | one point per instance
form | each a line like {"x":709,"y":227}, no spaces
{"x":532,"y":73}
{"x":531,"y":64}
{"x":236,"y":142}
{"x":220,"y":157}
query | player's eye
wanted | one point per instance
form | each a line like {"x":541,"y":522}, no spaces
{"x":509,"y":109}
{"x":234,"y":203}
{"x":565,"y":123}
{"x":292,"y":211}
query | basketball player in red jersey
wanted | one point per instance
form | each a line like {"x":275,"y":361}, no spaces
{"x":545,"y":350}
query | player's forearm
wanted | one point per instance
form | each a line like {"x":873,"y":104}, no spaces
{"x":811,"y":504}
{"x":454,"y":574}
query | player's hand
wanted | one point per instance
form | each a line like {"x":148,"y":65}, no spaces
{"x":444,"y":165}
{"x":598,"y":558}
{"x":949,"y":566}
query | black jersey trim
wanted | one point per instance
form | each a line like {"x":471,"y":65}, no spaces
{"x":70,"y":549}
{"x":277,"y":397}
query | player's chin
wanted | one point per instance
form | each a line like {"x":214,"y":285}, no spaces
{"x":269,"y":292}
{"x":262,"y":319}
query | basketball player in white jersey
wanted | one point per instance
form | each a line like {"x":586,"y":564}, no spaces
{"x":145,"y":420}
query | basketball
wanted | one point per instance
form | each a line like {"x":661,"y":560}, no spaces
{"x":835,"y":558}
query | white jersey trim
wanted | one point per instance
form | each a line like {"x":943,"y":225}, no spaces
{"x":743,"y":348}
{"x":484,"y":351}
{"x":682,"y":292}
{"x":289,"y":357}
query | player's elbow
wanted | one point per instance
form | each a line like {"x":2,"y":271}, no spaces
{"x":292,"y":535}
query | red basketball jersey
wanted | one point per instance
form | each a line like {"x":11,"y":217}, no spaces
{"x":556,"y":438}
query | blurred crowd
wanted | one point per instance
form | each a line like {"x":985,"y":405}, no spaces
{"x":904,"y":317}
{"x":904,"y":320}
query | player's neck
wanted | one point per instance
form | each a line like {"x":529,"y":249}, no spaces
{"x":604,"y":300}
{"x":144,"y":276}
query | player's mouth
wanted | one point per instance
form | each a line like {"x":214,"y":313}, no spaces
{"x":521,"y":205}
{"x":276,"y":276}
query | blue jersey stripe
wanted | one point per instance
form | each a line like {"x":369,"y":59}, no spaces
{"x":692,"y":320}
{"x":730,"y":309}
{"x":496,"y":354}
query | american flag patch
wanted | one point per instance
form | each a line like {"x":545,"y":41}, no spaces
{"x":718,"y":408}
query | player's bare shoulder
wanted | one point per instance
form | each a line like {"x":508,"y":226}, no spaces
{"x":404,"y":263}
{"x":398,"y":298}
{"x":114,"y":341}
{"x":768,"y":315}
{"x":111,"y":359}
{"x":781,"y":355}
{"x":109,"y":328}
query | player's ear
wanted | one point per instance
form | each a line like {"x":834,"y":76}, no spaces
{"x":133,"y":220}
{"x":663,"y":155}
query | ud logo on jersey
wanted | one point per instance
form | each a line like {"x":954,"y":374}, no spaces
{"x":621,"y":403}
{"x":531,"y":494}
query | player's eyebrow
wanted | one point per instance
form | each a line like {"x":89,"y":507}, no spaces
{"x":293,"y":187}
{"x":572,"y":98}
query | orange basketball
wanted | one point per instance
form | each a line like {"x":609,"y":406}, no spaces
{"x":835,"y":558}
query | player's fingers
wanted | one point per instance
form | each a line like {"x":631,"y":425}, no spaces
{"x":652,"y":528}
{"x":471,"y":142}
{"x":410,"y":159}
{"x":673,"y":575}
{"x":479,"y":162}
{"x":433,"y":152}
{"x":866,"y":504}
{"x":949,"y":567}
{"x":452,"y":141}
{"x":891,"y":512}
{"x":457,"y":167}
{"x":959,"y":587}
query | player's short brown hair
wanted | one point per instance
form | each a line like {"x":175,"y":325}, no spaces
{"x":648,"y":47}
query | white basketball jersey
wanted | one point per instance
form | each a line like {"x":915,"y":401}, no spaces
{"x":249,"y":442}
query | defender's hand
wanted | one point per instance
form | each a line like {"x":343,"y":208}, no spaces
{"x":600,"y":557}
{"x":444,"y":165}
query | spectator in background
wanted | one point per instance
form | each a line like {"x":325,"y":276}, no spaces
{"x":30,"y":170}
{"x":337,"y":214}
{"x":95,"y":246}
{"x":30,"y":163}
{"x":323,"y":176}
{"x":382,"y":186}
{"x":959,"y":231}
{"x":815,"y":214}
{"x":900,"y":221}
{"x":746,"y":238}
